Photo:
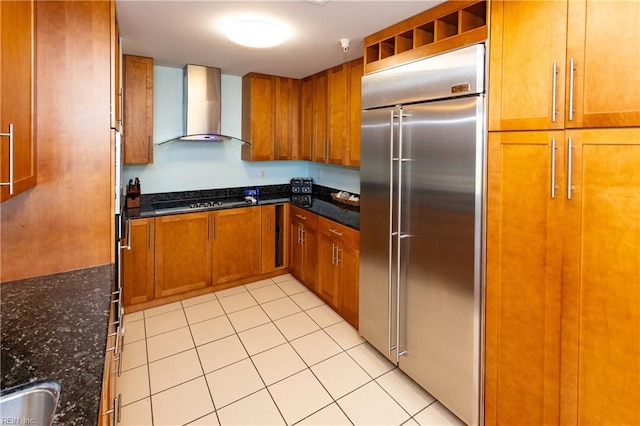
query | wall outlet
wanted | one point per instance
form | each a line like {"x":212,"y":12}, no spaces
{"x":263,"y":174}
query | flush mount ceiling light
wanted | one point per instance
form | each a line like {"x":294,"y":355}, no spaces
{"x":256,"y":34}
{"x":318,"y":2}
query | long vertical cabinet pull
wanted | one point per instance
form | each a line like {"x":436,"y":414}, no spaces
{"x":10,"y":183}
{"x":554,"y":112}
{"x":215,"y":226}
{"x":569,"y":168}
{"x":391,"y":234}
{"x":553,"y":167}
{"x":572,"y":69}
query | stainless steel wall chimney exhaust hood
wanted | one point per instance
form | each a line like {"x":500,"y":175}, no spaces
{"x":201,"y":105}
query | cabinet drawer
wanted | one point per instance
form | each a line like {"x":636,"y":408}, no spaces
{"x":304,"y":216}
{"x":349,"y":236}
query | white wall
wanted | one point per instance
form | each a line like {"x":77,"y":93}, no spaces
{"x":184,"y":166}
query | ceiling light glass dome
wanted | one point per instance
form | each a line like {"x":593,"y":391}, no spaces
{"x":256,"y":34}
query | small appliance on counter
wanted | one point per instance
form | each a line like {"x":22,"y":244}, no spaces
{"x":133,"y":194}
{"x":301,"y":186}
{"x":303,"y":200}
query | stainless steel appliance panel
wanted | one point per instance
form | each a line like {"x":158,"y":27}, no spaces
{"x":377,"y":286}
{"x":437,"y":314}
{"x":447,"y":75}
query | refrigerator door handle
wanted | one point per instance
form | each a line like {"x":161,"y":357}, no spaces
{"x":392,"y":233}
{"x":399,"y":237}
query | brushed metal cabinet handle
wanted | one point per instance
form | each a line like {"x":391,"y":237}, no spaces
{"x":11,"y":159}
{"x":333,"y":231}
{"x":569,"y":168}
{"x":553,"y":168}
{"x":571,"y":88}
{"x":554,"y":112}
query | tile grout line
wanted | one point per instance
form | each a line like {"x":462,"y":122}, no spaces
{"x":204,"y":375}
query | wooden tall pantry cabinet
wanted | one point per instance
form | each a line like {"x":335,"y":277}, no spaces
{"x":563,"y":214}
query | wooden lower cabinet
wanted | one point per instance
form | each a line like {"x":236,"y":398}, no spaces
{"x":182,"y":253}
{"x":138,"y":263}
{"x":338,"y":267}
{"x":236,"y":244}
{"x":304,"y":247}
{"x":600,"y":362}
{"x":524,"y":254}
{"x":563,"y":281}
{"x":325,"y":256}
{"x":274,"y":241}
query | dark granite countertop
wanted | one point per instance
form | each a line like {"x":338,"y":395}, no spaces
{"x":55,"y":327}
{"x":321,"y":204}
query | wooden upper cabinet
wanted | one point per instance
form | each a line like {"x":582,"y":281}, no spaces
{"x":138,"y":109}
{"x":116,"y":72}
{"x":287,"y":117}
{"x":307,"y":113}
{"x":338,"y":113}
{"x":603,"y":40}
{"x":585,"y":64}
{"x":270,"y":117}
{"x":258,"y":92}
{"x":330,"y":125}
{"x":528,"y":43}
{"x":355,"y":112}
{"x":320,"y":116}
{"x":601,"y":281}
{"x":17,"y":100}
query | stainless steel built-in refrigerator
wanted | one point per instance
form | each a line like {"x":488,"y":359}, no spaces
{"x":421,"y":222}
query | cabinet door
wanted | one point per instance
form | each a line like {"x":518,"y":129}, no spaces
{"x":355,"y":110}
{"x":337,"y":103}
{"x":528,"y":39}
{"x":348,"y":287}
{"x":601,"y":281}
{"x":116,"y":72}
{"x":286,"y":121}
{"x":138,"y":110}
{"x":310,"y":256}
{"x":182,"y":253}
{"x":305,"y":147}
{"x":138,"y":263}
{"x":603,"y":40}
{"x":328,"y":271}
{"x":258,"y":92}
{"x":524,"y":255}
{"x":16,"y":102}
{"x":236,"y":244}
{"x":295,"y":247}
{"x":320,"y":108}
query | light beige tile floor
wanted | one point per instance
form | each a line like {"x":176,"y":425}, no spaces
{"x":265,"y":353}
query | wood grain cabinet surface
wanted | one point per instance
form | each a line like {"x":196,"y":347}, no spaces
{"x":583,"y":72}
{"x":338,"y":264}
{"x":563,"y":283}
{"x":138,"y":263}
{"x":182,"y":253}
{"x":303,"y":263}
{"x":138,"y":109}
{"x":236,"y":244}
{"x":270,"y":117}
{"x":17,"y":100}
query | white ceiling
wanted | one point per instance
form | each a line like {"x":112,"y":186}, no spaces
{"x":176,"y":33}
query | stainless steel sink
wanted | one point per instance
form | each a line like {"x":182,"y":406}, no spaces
{"x":30,"y":404}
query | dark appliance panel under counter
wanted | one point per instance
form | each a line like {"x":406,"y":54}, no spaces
{"x":55,"y":327}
